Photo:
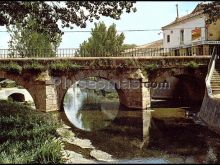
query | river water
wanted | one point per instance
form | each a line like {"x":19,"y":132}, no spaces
{"x":176,"y":135}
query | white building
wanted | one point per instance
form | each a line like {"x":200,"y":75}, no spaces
{"x":190,"y":34}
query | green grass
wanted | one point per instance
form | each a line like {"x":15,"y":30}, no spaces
{"x":28,"y":136}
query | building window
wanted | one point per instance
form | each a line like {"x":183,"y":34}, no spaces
{"x":168,"y":38}
{"x":181,"y":36}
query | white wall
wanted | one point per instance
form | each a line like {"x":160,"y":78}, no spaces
{"x":187,"y":25}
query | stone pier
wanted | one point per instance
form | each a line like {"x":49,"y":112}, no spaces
{"x":210,"y":113}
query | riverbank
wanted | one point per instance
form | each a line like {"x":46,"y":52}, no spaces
{"x":29,"y":136}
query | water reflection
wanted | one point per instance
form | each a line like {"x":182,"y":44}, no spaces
{"x":90,"y":109}
{"x":175,"y":134}
{"x":144,"y":161}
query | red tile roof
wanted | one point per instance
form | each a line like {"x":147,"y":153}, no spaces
{"x":155,"y":44}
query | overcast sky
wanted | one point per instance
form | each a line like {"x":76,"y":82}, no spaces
{"x":149,"y":15}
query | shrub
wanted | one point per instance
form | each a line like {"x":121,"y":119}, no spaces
{"x":112,"y":95}
{"x":35,"y":67}
{"x":151,"y":67}
{"x":192,"y":65}
{"x":49,"y":152}
{"x":130,"y":62}
{"x":8,"y":84}
{"x":11,"y":67}
{"x":28,"y":136}
{"x":127,"y":64}
{"x":64,"y":66}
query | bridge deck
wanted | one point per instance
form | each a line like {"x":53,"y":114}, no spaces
{"x":110,"y":58}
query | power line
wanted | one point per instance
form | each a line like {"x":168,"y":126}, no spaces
{"x":131,"y":30}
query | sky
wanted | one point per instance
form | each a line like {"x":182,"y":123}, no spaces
{"x":149,"y":15}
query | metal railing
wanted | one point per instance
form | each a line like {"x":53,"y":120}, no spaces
{"x":75,"y":52}
{"x":211,"y":68}
{"x":210,"y":72}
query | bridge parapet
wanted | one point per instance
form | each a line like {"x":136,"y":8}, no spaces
{"x":76,"y":52}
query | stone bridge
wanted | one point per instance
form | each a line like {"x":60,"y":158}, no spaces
{"x":37,"y":75}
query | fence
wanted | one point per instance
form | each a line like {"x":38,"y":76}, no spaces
{"x":74,"y":52}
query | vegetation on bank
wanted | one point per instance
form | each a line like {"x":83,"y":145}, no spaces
{"x":28,"y":136}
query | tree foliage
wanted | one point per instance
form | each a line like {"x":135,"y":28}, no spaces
{"x":212,"y":9}
{"x":103,"y":42}
{"x":129,"y":46}
{"x":28,"y":42}
{"x":48,"y":13}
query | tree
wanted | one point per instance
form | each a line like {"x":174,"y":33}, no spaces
{"x":28,"y":42}
{"x":212,"y":9}
{"x":103,"y":42}
{"x":129,"y":46}
{"x":48,"y":14}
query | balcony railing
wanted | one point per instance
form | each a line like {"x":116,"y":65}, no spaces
{"x":74,"y":52}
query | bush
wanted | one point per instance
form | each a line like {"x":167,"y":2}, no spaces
{"x":192,"y":65}
{"x":28,"y":136}
{"x":112,"y":95}
{"x":151,"y":67}
{"x":64,"y":66}
{"x":35,"y":67}
{"x":8,"y":84}
{"x":11,"y":67}
{"x":49,"y":152}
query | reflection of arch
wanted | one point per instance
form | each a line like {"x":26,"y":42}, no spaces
{"x":191,"y":88}
{"x":20,"y":82}
{"x":111,"y":77}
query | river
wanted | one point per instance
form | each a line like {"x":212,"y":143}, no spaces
{"x":176,"y":134}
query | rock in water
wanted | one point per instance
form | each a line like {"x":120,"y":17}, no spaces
{"x":73,"y":157}
{"x":101,"y":155}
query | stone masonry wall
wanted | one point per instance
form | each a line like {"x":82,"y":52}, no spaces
{"x":210,"y":113}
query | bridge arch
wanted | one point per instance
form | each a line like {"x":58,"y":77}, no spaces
{"x":190,"y":88}
{"x":19,"y":80}
{"x":84,"y":74}
{"x":185,"y":84}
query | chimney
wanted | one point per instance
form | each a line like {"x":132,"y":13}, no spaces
{"x":177,"y":12}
